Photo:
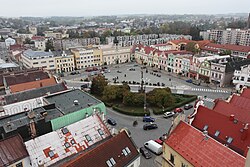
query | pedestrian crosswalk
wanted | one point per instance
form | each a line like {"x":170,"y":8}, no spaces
{"x":209,"y":90}
{"x":208,"y":99}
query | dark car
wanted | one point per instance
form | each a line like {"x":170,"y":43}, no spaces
{"x":148,"y":119}
{"x":131,"y":69}
{"x":188,"y":106}
{"x":150,"y":126}
{"x":111,"y":121}
{"x":145,"y":153}
{"x":168,"y":114}
{"x":119,"y":71}
{"x":189,"y":81}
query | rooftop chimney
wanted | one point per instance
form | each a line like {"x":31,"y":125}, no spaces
{"x":244,"y":132}
{"x":231,"y":118}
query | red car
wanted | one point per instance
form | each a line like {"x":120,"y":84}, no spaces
{"x":178,"y":110}
{"x":159,"y":141}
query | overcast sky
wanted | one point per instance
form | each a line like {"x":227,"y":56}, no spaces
{"x":113,"y":7}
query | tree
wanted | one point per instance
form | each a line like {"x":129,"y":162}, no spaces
{"x":49,"y":46}
{"x":98,"y":85}
{"x":133,"y":99}
{"x":115,"y":92}
{"x":225,"y":52}
{"x":160,"y":97}
{"x":28,"y":41}
{"x":191,"y":46}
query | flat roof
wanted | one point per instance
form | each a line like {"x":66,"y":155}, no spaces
{"x":65,"y":100}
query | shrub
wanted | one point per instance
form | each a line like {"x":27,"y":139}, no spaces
{"x":123,"y":111}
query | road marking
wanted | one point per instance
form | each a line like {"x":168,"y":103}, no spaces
{"x":209,"y":90}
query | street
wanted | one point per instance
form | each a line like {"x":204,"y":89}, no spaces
{"x":176,"y":84}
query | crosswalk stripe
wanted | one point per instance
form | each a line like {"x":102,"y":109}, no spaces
{"x":209,"y":90}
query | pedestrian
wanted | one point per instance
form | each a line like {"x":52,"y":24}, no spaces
{"x":125,"y":75}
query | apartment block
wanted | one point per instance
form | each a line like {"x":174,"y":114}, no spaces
{"x":64,"y":61}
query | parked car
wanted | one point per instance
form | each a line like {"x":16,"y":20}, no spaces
{"x":168,"y":114}
{"x":145,"y":153}
{"x":150,"y":126}
{"x":148,"y":119}
{"x":111,"y":121}
{"x":197,"y":83}
{"x":189,"y":81}
{"x":74,"y":72}
{"x":153,"y":146}
{"x":119,"y":71}
{"x":178,"y":110}
{"x":131,"y":69}
{"x":188,"y":106}
{"x":159,"y":141}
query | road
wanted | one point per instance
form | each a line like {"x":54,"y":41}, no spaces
{"x":176,"y":84}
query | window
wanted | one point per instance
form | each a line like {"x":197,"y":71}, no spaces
{"x":112,"y":161}
{"x":217,"y":133}
{"x":72,"y":141}
{"x":100,"y":132}
{"x":248,"y":79}
{"x":124,"y":152}
{"x":109,"y":163}
{"x":128,"y":150}
{"x":35,"y":63}
{"x":65,"y":131}
{"x":184,"y":165}
{"x":67,"y":145}
{"x":51,"y":154}
{"x":20,"y":164}
{"x":51,"y":66}
{"x":51,"y":61}
{"x":43,"y":62}
{"x":88,"y":138}
{"x":229,"y":140}
{"x":242,"y":78}
{"x":205,"y":127}
{"x":172,"y":158}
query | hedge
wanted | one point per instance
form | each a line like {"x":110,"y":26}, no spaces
{"x":190,"y":99}
{"x":120,"y":110}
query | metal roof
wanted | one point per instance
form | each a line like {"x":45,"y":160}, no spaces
{"x":12,"y":150}
{"x":65,"y":100}
{"x":37,"y":54}
{"x":66,"y":141}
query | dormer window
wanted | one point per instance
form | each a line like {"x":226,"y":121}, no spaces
{"x":217,"y":133}
{"x":205,"y":127}
{"x":229,"y":140}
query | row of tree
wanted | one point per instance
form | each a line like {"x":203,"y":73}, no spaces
{"x":160,"y":97}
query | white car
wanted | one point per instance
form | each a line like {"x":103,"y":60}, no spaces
{"x":168,"y":114}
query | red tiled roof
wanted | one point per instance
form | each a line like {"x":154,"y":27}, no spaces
{"x":111,"y":148}
{"x":246,"y":93}
{"x":32,"y":85}
{"x":25,"y":77}
{"x":164,"y":44}
{"x":12,"y":150}
{"x":216,"y":121}
{"x":227,"y":47}
{"x":227,"y":109}
{"x":148,"y":49}
{"x":241,"y":102}
{"x":191,"y":144}
{"x":16,"y":47}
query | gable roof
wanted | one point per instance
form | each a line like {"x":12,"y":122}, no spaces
{"x":227,"y":127}
{"x":228,"y":109}
{"x":240,"y":101}
{"x":32,"y":85}
{"x":34,"y":93}
{"x":191,"y":144}
{"x":67,"y":141}
{"x":112,"y":148}
{"x":12,"y":150}
{"x":216,"y":47}
{"x":245,"y":93}
{"x":23,"y":77}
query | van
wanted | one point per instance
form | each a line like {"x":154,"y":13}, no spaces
{"x":153,"y":146}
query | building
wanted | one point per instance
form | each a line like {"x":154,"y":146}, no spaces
{"x":30,"y":85}
{"x":248,"y":21}
{"x":241,"y":77}
{"x":187,"y":146}
{"x":38,"y":59}
{"x":33,"y":30}
{"x":3,"y":51}
{"x":33,"y":93}
{"x":69,"y":140}
{"x":9,"y":41}
{"x":228,"y":36}
{"x":40,"y":43}
{"x":13,"y":152}
{"x":65,"y":61}
{"x":59,"y":110}
{"x":115,"y":54}
{"x":87,"y":57}
{"x":228,"y":130}
{"x":55,"y":35}
{"x":117,"y":151}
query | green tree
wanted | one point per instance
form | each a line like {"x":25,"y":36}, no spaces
{"x":133,"y":99}
{"x":225,"y":52}
{"x":160,"y":97}
{"x":115,"y":92}
{"x":49,"y":46}
{"x":98,"y":85}
{"x":191,"y":47}
{"x":28,"y":41}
